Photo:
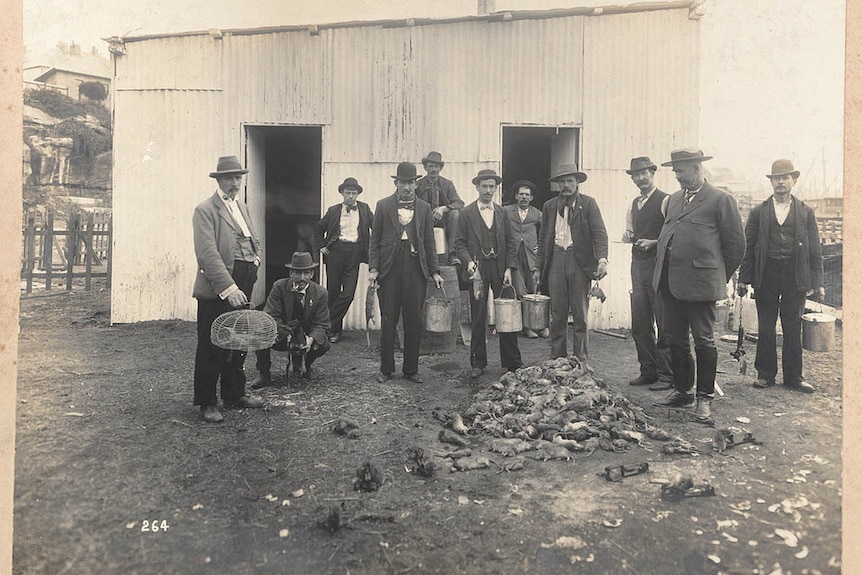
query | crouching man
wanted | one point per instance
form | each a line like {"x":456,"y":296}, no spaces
{"x":297,"y":297}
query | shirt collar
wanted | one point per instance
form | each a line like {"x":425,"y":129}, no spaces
{"x":488,"y":206}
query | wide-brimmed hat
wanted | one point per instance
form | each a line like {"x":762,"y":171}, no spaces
{"x":405,"y":171}
{"x":524,"y":184}
{"x":567,"y":169}
{"x":349,"y":183}
{"x":228,"y":165}
{"x":783,"y":168}
{"x":686,"y":155}
{"x":641,"y":163}
{"x":435,"y":157}
{"x":301,"y":261}
{"x":486,"y":175}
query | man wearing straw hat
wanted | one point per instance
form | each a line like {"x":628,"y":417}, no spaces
{"x":644,"y":220}
{"x":783,"y":263}
{"x":401,"y":257}
{"x":485,"y":244}
{"x":573,"y":250}
{"x":342,"y":236}
{"x":700,"y":246}
{"x":227,"y":251}
{"x":441,"y":195}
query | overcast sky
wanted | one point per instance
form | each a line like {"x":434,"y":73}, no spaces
{"x":771,"y":80}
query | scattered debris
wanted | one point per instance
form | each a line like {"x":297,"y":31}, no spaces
{"x":683,"y":486}
{"x":573,"y":542}
{"x":724,"y":439}
{"x":298,"y":493}
{"x":368,"y":478}
{"x":346,"y":426}
{"x":283,"y":533}
{"x":425,"y":465}
{"x":616,"y":473}
{"x":789,"y":537}
{"x":612,"y":524}
{"x":714,"y":558}
{"x":332,"y":521}
{"x":802,"y":554}
{"x":678,"y":445}
{"x":743,"y":420}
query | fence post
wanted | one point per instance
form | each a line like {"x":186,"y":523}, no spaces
{"x":110,"y":247}
{"x":48,"y":248}
{"x":88,"y":251}
{"x":29,"y":247}
{"x":71,"y":249}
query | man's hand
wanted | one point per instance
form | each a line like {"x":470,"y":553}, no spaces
{"x":819,"y":294}
{"x":438,"y":280}
{"x":309,"y":341}
{"x":237,"y":298}
{"x":537,"y":278}
{"x":471,"y":268}
{"x":507,"y":277}
{"x":645,"y":245}
{"x":602,"y":270}
{"x":741,"y":290}
{"x":439,"y":212}
{"x":324,"y":250}
{"x":372,"y":276}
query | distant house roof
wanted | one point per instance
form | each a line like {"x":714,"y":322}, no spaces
{"x":84,"y":65}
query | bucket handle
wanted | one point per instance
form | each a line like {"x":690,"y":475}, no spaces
{"x":443,"y":289}
{"x":511,"y":287}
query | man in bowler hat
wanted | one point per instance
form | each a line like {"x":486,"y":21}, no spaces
{"x":699,"y":248}
{"x":401,"y":257}
{"x":342,"y":236}
{"x":644,"y":219}
{"x":441,"y":195}
{"x":573,"y":250}
{"x":783,"y":263}
{"x":485,"y":245}
{"x":227,"y":251}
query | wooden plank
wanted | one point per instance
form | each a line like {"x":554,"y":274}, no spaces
{"x":88,"y":251}
{"x":29,"y":247}
{"x":48,"y":250}
{"x":108,"y":253}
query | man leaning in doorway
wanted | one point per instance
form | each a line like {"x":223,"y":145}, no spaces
{"x":573,"y":250}
{"x":401,"y":258}
{"x":226,"y":248}
{"x":644,"y":219}
{"x":441,"y":195}
{"x":783,"y":263}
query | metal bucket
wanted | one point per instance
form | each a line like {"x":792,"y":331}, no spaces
{"x":818,"y":332}
{"x":438,"y":316}
{"x":536,"y":311}
{"x":507,"y":313}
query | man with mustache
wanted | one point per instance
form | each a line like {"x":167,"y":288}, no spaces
{"x":700,"y":246}
{"x":784,"y":264}
{"x":227,"y":251}
{"x":441,"y":195}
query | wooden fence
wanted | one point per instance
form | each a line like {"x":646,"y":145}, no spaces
{"x":61,"y":249}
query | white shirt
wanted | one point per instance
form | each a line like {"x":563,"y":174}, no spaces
{"x":487,"y":213}
{"x":523,"y":213}
{"x":781,"y":210}
{"x":628,"y":235}
{"x":562,"y":230}
{"x":405,"y":216}
{"x":349,"y":224}
{"x":233,"y":208}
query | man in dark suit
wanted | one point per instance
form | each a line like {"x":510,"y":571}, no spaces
{"x":298,"y":297}
{"x":700,"y":246}
{"x":644,"y":220}
{"x":526,"y":221}
{"x":485,"y":242}
{"x":227,"y":251}
{"x":342,"y":236}
{"x":401,"y":257}
{"x":784,"y":264}
{"x":441,"y":195}
{"x":573,"y":251}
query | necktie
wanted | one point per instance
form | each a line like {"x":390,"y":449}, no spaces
{"x":352,"y":208}
{"x":488,"y":207}
{"x":405,"y":205}
{"x":571,"y":210}
{"x":689,"y":195}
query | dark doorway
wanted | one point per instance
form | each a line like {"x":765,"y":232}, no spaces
{"x":532,"y":153}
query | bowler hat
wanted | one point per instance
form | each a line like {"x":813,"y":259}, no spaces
{"x":782,"y":168}
{"x":525,"y":184}
{"x":228,"y":165}
{"x":301,"y":261}
{"x":406,"y":171}
{"x":686,"y":155}
{"x":641,"y":163}
{"x":486,"y":175}
{"x":350,"y":183}
{"x":567,"y":169}
{"x":433,"y":157}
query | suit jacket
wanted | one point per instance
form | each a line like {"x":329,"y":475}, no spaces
{"x":589,"y":236}
{"x":468,"y":238}
{"x":386,"y":235}
{"x":315,"y":316}
{"x":708,"y":244}
{"x":809,"y":260}
{"x":328,"y":229}
{"x":526,"y":232}
{"x":448,"y":196}
{"x":215,"y":236}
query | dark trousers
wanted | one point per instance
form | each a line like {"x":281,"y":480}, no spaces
{"x":401,"y":294}
{"x":212,"y":361}
{"x":450,"y":223}
{"x":342,"y":273}
{"x":568,"y":286}
{"x":776,"y":295}
{"x":680,"y":317}
{"x":522,"y":278}
{"x":510,"y":354}
{"x":264,"y":356}
{"x":647,"y":316}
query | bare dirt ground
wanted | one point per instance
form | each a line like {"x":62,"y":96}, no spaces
{"x":115,"y":472}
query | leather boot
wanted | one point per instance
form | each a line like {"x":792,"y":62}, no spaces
{"x":702,"y":410}
{"x":264,"y":379}
{"x":707,"y":362}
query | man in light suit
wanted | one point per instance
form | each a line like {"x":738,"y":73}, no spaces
{"x":526,"y":221}
{"x":700,"y":246}
{"x":573,"y":250}
{"x":485,"y":242}
{"x":227,"y":251}
{"x":401,"y":257}
{"x":342,"y":236}
{"x":441,"y":195}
